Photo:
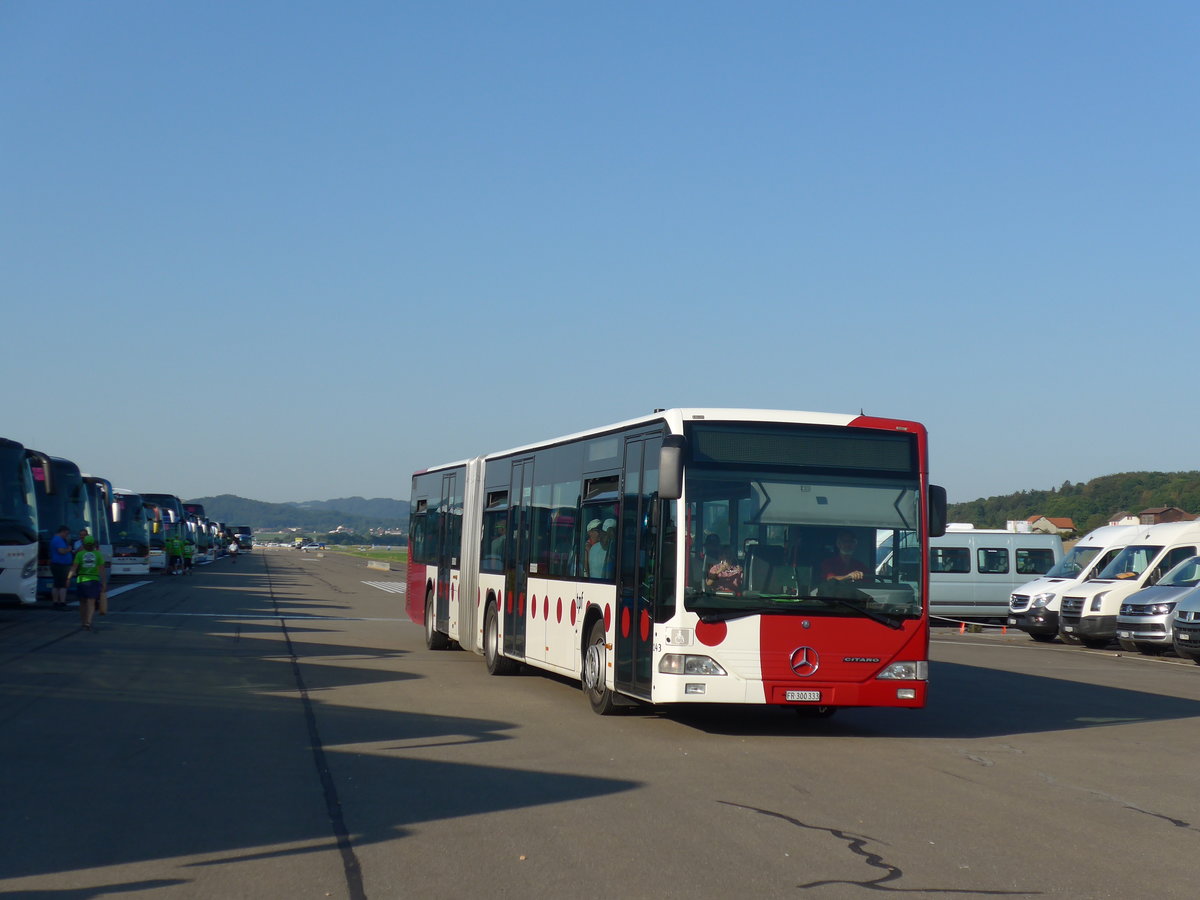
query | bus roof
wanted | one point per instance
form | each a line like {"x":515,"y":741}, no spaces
{"x":675,"y":419}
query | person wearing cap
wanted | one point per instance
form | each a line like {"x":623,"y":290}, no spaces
{"x":595,"y":552}
{"x":609,"y":531}
{"x":60,"y":565}
{"x":92,"y":584}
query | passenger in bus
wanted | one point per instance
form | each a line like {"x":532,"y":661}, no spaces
{"x":595,"y":554}
{"x":726,"y":575}
{"x":497,"y":547}
{"x":608,"y":536}
{"x":844,"y":566}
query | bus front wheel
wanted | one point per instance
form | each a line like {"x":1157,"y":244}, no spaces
{"x":595,"y":668}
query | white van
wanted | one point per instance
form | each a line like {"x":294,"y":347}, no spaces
{"x":973,"y":571}
{"x":1089,"y":611}
{"x":1033,"y":607}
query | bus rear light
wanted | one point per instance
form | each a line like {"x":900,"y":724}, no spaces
{"x":906,"y":671}
{"x":684,"y":664}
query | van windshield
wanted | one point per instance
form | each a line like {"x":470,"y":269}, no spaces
{"x":1073,"y":564}
{"x":1186,"y":574}
{"x":1131,"y":562}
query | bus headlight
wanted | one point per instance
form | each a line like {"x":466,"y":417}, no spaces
{"x":30,"y":569}
{"x":1040,"y":600}
{"x":906,"y":671}
{"x":686,"y":664}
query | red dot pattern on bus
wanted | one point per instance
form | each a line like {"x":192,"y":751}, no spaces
{"x":558,"y":614}
{"x":645,"y":625}
{"x":711,"y":633}
{"x":607,"y":617}
{"x":625,"y":622}
{"x":572,"y":613}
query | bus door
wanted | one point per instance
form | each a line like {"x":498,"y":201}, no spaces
{"x":517,"y":577}
{"x":448,"y":552}
{"x":637,"y":569}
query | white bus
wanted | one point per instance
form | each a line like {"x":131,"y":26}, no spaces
{"x":689,"y":556}
{"x":18,"y":523}
{"x":130,"y":534}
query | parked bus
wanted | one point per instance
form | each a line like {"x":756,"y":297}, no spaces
{"x":156,"y":535}
{"x":61,"y":500}
{"x":18,"y":523}
{"x":98,"y":514}
{"x":682,"y":557}
{"x":130,"y":534}
{"x":171,"y":509}
{"x":244,"y":536}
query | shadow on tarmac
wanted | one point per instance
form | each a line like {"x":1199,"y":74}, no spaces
{"x":164,"y":738}
{"x":964,"y":702}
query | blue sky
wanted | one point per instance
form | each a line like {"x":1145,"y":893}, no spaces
{"x":296,"y":250}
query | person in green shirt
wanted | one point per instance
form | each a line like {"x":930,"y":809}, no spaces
{"x":91,"y":581}
{"x":189,"y":550}
{"x":174,"y":555}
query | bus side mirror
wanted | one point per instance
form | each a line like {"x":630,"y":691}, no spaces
{"x":937,"y":510}
{"x":670,"y":467}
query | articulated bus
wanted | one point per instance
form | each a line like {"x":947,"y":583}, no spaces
{"x":690,"y":556}
{"x":130,"y":534}
{"x":18,"y":523}
{"x":61,"y":500}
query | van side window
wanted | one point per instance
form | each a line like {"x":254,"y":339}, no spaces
{"x":949,"y":559}
{"x":1034,"y":562}
{"x":993,"y":560}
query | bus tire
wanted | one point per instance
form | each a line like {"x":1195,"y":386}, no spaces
{"x":434,"y":639}
{"x":493,"y":657}
{"x":595,"y":665}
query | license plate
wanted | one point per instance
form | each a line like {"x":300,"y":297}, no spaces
{"x":1183,"y":637}
{"x":1068,"y":628}
{"x":1012,"y":620}
{"x":810,"y":696}
{"x":1125,"y":634}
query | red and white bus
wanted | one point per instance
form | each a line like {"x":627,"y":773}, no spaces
{"x":686,"y":557}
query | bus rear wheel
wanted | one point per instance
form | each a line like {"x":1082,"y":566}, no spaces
{"x":497,"y":663}
{"x":595,"y":667}
{"x":434,"y":639}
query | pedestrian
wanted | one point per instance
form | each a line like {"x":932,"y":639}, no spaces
{"x":174,"y":555}
{"x":233,"y":550}
{"x":60,"y":565}
{"x":189,"y":550}
{"x":83,"y":533}
{"x":92,"y":585}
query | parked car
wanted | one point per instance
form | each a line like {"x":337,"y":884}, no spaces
{"x":1186,"y":627}
{"x":1145,"y":619}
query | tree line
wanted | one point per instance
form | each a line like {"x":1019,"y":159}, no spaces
{"x":1089,"y":504}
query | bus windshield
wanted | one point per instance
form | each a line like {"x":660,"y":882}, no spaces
{"x":18,"y":512}
{"x":787,"y":541}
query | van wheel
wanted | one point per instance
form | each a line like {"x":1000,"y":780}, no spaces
{"x":1069,"y":639}
{"x":1129,"y":646}
{"x":434,"y":639}
{"x":595,"y":665}
{"x":1096,"y":643}
{"x":497,"y":663}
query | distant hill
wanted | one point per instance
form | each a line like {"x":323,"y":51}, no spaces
{"x":313,"y":515}
{"x":1090,"y":504}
